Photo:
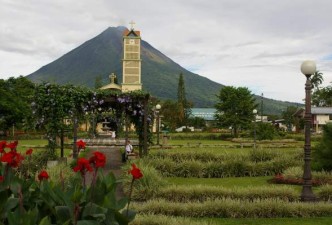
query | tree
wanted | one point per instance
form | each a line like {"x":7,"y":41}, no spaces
{"x":289,"y":117}
{"x":183,"y":105}
{"x":15,"y":101}
{"x":316,"y":80}
{"x":322,"y":97}
{"x":170,"y":114}
{"x":235,"y":108}
{"x":197,"y":122}
{"x":322,"y":154}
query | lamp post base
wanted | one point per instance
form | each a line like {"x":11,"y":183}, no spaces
{"x":307,"y":195}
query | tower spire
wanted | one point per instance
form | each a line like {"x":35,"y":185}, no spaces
{"x":132,"y":23}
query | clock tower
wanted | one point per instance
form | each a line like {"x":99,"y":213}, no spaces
{"x":131,"y":62}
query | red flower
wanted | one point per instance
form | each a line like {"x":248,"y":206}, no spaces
{"x":83,"y":166}
{"x":135,"y":172}
{"x":2,"y":146}
{"x":80,"y":144}
{"x":29,"y":151}
{"x":43,"y":175}
{"x":12,"y":158}
{"x":98,"y":160}
{"x":12,"y":145}
{"x":1,"y":178}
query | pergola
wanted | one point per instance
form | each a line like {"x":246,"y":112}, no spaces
{"x":134,"y":108}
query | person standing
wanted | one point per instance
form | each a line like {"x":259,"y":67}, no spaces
{"x":113,"y":136}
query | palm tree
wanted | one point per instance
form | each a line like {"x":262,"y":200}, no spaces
{"x":317,"y":79}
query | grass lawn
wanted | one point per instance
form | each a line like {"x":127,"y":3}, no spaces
{"x":37,"y":145}
{"x":271,"y":221}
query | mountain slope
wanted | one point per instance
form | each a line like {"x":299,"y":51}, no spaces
{"x":102,"y":55}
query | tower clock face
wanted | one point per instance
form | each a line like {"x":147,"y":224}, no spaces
{"x":131,"y":41}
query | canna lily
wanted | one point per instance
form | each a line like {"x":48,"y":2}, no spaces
{"x":135,"y":172}
{"x":29,"y":151}
{"x":12,"y":145}
{"x":83,"y":166}
{"x":12,"y":158}
{"x":98,"y":160}
{"x":43,"y":175}
{"x":80,"y":144}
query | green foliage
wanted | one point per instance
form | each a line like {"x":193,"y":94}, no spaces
{"x":322,"y":97}
{"x":149,"y":219}
{"x":201,"y":193}
{"x":26,"y":201}
{"x":290,"y":119}
{"x":322,"y":155}
{"x":235,"y":108}
{"x":15,"y":99}
{"x":296,"y":173}
{"x":265,"y":131}
{"x":234,"y":208}
{"x":209,"y":165}
{"x":325,"y":193}
{"x":147,"y":186}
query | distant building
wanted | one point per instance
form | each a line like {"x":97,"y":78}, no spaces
{"x":320,"y":117}
{"x":206,"y":113}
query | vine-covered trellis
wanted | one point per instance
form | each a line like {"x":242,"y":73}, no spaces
{"x":54,"y":104}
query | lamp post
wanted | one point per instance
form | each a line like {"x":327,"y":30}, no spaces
{"x":158,"y":107}
{"x":255,"y":113}
{"x":307,"y":68}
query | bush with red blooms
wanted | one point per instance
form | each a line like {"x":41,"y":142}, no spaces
{"x":40,"y":201}
{"x":280,"y":179}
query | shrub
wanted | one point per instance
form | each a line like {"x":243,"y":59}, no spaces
{"x":322,"y":156}
{"x":325,"y":193}
{"x":265,"y":131}
{"x":150,"y":219}
{"x":147,"y":186}
{"x":204,"y":193}
{"x":234,"y":208}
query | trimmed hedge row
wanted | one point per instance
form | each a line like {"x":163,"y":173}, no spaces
{"x":150,"y":219}
{"x":325,"y":193}
{"x":256,"y":155}
{"x":218,"y":169}
{"x":204,"y":193}
{"x":231,"y":208}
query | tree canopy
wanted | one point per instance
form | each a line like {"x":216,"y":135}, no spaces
{"x":235,"y":108}
{"x":15,"y":100}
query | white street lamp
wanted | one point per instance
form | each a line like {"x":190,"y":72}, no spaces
{"x":307,"y":68}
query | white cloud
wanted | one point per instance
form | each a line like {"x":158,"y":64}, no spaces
{"x":259,"y":44}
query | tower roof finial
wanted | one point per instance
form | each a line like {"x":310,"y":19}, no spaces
{"x":132,"y":23}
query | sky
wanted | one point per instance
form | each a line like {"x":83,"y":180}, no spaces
{"x":258,"y":44}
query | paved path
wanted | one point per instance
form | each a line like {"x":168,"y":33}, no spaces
{"x":113,"y":163}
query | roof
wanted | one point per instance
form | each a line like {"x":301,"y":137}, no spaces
{"x":205,"y":113}
{"x":111,"y":86}
{"x":131,"y":32}
{"x":321,"y":110}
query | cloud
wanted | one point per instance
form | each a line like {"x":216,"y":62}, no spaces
{"x":258,"y":44}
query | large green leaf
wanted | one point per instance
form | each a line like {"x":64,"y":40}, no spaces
{"x":87,"y":222}
{"x":45,"y":221}
{"x":62,"y":213}
{"x":11,"y":203}
{"x":94,"y":210}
